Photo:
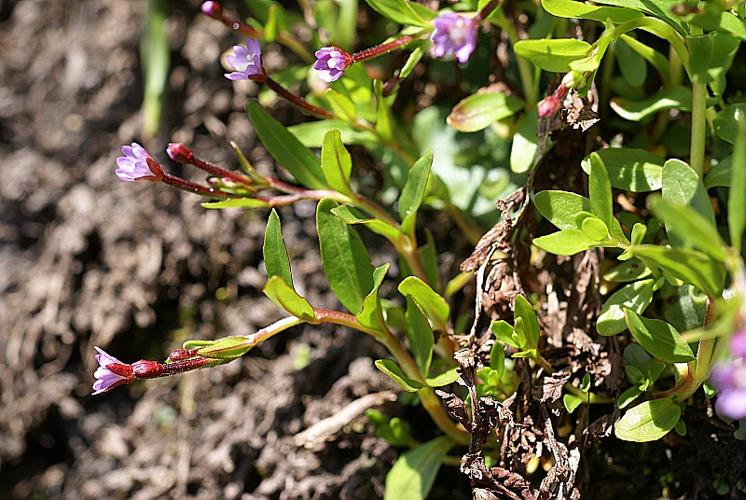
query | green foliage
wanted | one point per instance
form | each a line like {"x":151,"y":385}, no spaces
{"x":414,"y":472}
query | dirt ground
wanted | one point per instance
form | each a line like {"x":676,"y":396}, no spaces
{"x":136,"y":269}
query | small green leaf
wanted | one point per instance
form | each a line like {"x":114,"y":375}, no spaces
{"x":336,"y":163}
{"x":504,"y":332}
{"x":565,"y":242}
{"x":690,"y":266}
{"x":595,"y":229}
{"x":726,"y":122}
{"x":275,"y":255}
{"x":658,"y":338}
{"x":689,"y":226}
{"x":497,"y":358}
{"x":236,"y":203}
{"x":629,"y":169}
{"x":560,"y":207}
{"x":570,"y":9}
{"x":285,"y":148}
{"x":413,"y":474}
{"x":712,"y":55}
{"x":433,"y":305}
{"x":720,"y":174}
{"x":571,"y":402}
{"x":371,"y":315}
{"x":447,"y":377}
{"x":648,"y":421}
{"x":351,"y":215}
{"x":414,"y":190}
{"x":674,"y":97}
{"x":420,"y":336}
{"x":403,"y":12}
{"x":341,"y":105}
{"x":636,"y":296}
{"x":479,"y":111}
{"x":279,"y":292}
{"x":737,"y":194}
{"x":414,"y":57}
{"x":683,"y":185}
{"x":523,"y":148}
{"x":633,"y":67}
{"x":630,"y":270}
{"x":525,"y":311}
{"x":627,"y":397}
{"x":227,"y":348}
{"x":390,"y":368}
{"x":553,"y":55}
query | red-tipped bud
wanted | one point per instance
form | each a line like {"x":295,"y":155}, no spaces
{"x":548,"y":106}
{"x":147,"y":369}
{"x":181,"y":355}
{"x":212,"y":9}
{"x":156,"y":169}
{"x":179,"y":153}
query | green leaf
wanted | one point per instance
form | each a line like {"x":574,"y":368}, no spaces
{"x":689,"y":226}
{"x":683,"y":186}
{"x":595,"y":229}
{"x":561,"y":207}
{"x":341,"y":105}
{"x":285,"y":297}
{"x":662,"y":9}
{"x":433,"y":305}
{"x":275,"y":255}
{"x":383,"y":112}
{"x":720,"y":175}
{"x":420,"y":336}
{"x":712,"y":55}
{"x":636,"y":296}
{"x":599,"y":192}
{"x":629,"y":169}
{"x":350,"y":215}
{"x":525,"y":311}
{"x":690,"y":266}
{"x":648,"y":421}
{"x":571,"y":402}
{"x":336,"y":163}
{"x":390,"y":368}
{"x":447,"y":377}
{"x":673,"y":97}
{"x":684,"y":306}
{"x":414,"y":190}
{"x":227,"y":348}
{"x":630,"y":270}
{"x":413,"y":474}
{"x":414,"y":57}
{"x":505,"y":333}
{"x":715,"y":19}
{"x":311,"y":134}
{"x":371,"y":315}
{"x":627,"y":397}
{"x":553,"y":55}
{"x":523,"y":148}
{"x":403,"y":12}
{"x":345,"y":259}
{"x":726,"y":122}
{"x":480,"y":110}
{"x":156,"y":56}
{"x":285,"y":148}
{"x":497,"y":358}
{"x":565,"y":242}
{"x":633,"y":67}
{"x":570,"y":9}
{"x":236,"y":203}
{"x":658,"y":338}
{"x":737,"y":194}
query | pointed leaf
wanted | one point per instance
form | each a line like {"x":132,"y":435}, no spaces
{"x":648,"y":421}
{"x":553,"y":55}
{"x":279,"y":292}
{"x":420,"y":335}
{"x":433,"y":305}
{"x":371,"y":314}
{"x":480,"y":110}
{"x":336,"y":162}
{"x":635,"y":296}
{"x":560,"y":207}
{"x":658,"y":338}
{"x":275,"y":255}
{"x":390,"y":368}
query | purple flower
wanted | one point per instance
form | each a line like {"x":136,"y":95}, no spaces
{"x":110,"y":372}
{"x":211,"y":9}
{"x":331,"y":63}
{"x":738,"y":343}
{"x":246,"y":60}
{"x":731,"y":380}
{"x":134,"y":164}
{"x":454,"y":35}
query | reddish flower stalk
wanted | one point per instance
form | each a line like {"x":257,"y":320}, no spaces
{"x":183,"y":154}
{"x":384,"y":48}
{"x":215,"y":11}
{"x":193,"y":187}
{"x":297,"y":101}
{"x":486,"y":11}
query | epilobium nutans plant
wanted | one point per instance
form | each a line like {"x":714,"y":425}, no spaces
{"x":613,"y":275}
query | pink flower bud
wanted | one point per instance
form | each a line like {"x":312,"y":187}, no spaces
{"x":147,"y":369}
{"x":179,"y":153}
{"x":548,"y":106}
{"x":212,"y":9}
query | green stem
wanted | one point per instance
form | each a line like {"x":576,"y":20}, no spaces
{"x":588,"y":397}
{"x":699,"y":127}
{"x":524,"y":69}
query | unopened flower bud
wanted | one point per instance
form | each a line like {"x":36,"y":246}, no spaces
{"x":212,"y":9}
{"x":180,"y":153}
{"x":548,"y":106}
{"x":181,"y":355}
{"x":146,"y":368}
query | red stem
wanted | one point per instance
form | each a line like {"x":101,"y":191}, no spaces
{"x":193,"y":187}
{"x":298,"y":101}
{"x":384,"y":48}
{"x":219,"y":171}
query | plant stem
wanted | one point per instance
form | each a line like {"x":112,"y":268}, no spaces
{"x":297,"y":101}
{"x":524,"y":69}
{"x":699,"y":127}
{"x":193,"y":187}
{"x":270,"y":331}
{"x":384,"y":48}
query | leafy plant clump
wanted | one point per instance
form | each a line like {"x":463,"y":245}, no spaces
{"x":600,"y":299}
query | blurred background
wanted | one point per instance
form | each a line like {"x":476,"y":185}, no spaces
{"x":137,"y":268}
